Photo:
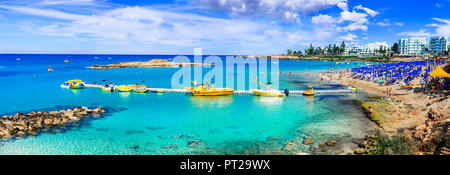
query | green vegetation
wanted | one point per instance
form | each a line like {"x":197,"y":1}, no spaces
{"x":394,"y":145}
{"x":394,"y":48}
{"x":328,"y":51}
{"x":379,"y":109}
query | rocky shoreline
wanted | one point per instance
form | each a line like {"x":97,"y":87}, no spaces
{"x":20,"y":125}
{"x":148,"y":64}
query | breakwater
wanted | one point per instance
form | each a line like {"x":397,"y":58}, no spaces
{"x":19,"y":124}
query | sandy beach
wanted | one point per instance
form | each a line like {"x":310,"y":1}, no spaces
{"x":404,"y":112}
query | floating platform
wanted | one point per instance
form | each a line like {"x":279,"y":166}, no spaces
{"x":238,"y":92}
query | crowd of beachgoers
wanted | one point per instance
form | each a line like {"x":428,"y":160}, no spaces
{"x":403,"y":73}
{"x":410,"y":95}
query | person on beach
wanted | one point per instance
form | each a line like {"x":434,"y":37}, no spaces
{"x":389,"y":91}
{"x":321,"y":80}
{"x":370,"y":110}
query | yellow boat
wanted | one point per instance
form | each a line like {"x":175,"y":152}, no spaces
{"x":141,"y":90}
{"x":66,"y":61}
{"x":107,"y":89}
{"x":267,"y":93}
{"x":124,"y":88}
{"x":407,"y":86}
{"x":202,"y":90}
{"x":74,"y":81}
{"x":309,"y":92}
{"x":137,"y":86}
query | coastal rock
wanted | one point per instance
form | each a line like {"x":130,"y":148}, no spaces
{"x":289,"y":146}
{"x":150,"y":63}
{"x":194,"y":143}
{"x":48,"y":121}
{"x":56,"y":121}
{"x":359,"y":150}
{"x":19,"y":125}
{"x":309,"y":142}
{"x":331,"y":143}
{"x":135,"y":147}
{"x":169,"y":146}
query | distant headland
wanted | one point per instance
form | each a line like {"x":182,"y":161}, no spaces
{"x":150,"y":63}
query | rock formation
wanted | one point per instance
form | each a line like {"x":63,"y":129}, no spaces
{"x":150,"y":63}
{"x":31,"y":123}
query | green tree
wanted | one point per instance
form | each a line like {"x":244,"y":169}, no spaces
{"x":319,"y":51}
{"x":394,"y":48}
{"x":311,"y":49}
{"x":335,"y":50}
{"x":299,"y":53}
{"x":329,"y":51}
{"x":342,"y":49}
{"x":289,"y":52}
{"x":382,"y":51}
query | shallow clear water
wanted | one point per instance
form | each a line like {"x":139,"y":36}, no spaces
{"x":149,"y":123}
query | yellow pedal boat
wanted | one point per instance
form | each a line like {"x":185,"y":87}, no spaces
{"x":141,"y":90}
{"x":309,"y":92}
{"x":267,"y":93}
{"x":107,"y":89}
{"x":124,"y":88}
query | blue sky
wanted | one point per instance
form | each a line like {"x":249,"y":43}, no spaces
{"x":253,"y":27}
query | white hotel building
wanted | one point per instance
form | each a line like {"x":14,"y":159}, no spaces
{"x":369,"y":49}
{"x":412,"y":46}
{"x":438,"y":44}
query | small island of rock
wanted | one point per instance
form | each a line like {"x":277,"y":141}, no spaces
{"x":150,"y":63}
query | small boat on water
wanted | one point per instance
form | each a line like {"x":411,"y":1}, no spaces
{"x":141,"y":90}
{"x":66,"y":61}
{"x":50,"y":69}
{"x":107,"y":88}
{"x":124,"y":88}
{"x":18,"y":59}
{"x":210,"y":90}
{"x":76,"y":85}
{"x":267,"y":93}
{"x":309,"y":92}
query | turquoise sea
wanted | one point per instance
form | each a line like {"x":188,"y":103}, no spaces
{"x":165,"y":123}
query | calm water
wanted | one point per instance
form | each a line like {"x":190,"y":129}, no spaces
{"x":147,"y":123}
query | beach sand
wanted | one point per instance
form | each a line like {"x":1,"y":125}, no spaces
{"x":405,"y":109}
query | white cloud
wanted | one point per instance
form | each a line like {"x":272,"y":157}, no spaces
{"x":323,"y":19}
{"x":442,"y":29}
{"x":376,"y":45}
{"x":66,"y":2}
{"x":151,"y":26}
{"x":348,"y":37}
{"x":343,"y":6}
{"x":398,"y":24}
{"x":148,"y":27}
{"x":384,"y":24}
{"x":420,"y":33}
{"x":285,"y":9}
{"x":358,"y":21}
{"x":367,"y":10}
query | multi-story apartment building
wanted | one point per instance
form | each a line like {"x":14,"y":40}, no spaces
{"x":438,"y":44}
{"x":369,"y":49}
{"x":412,"y":46}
